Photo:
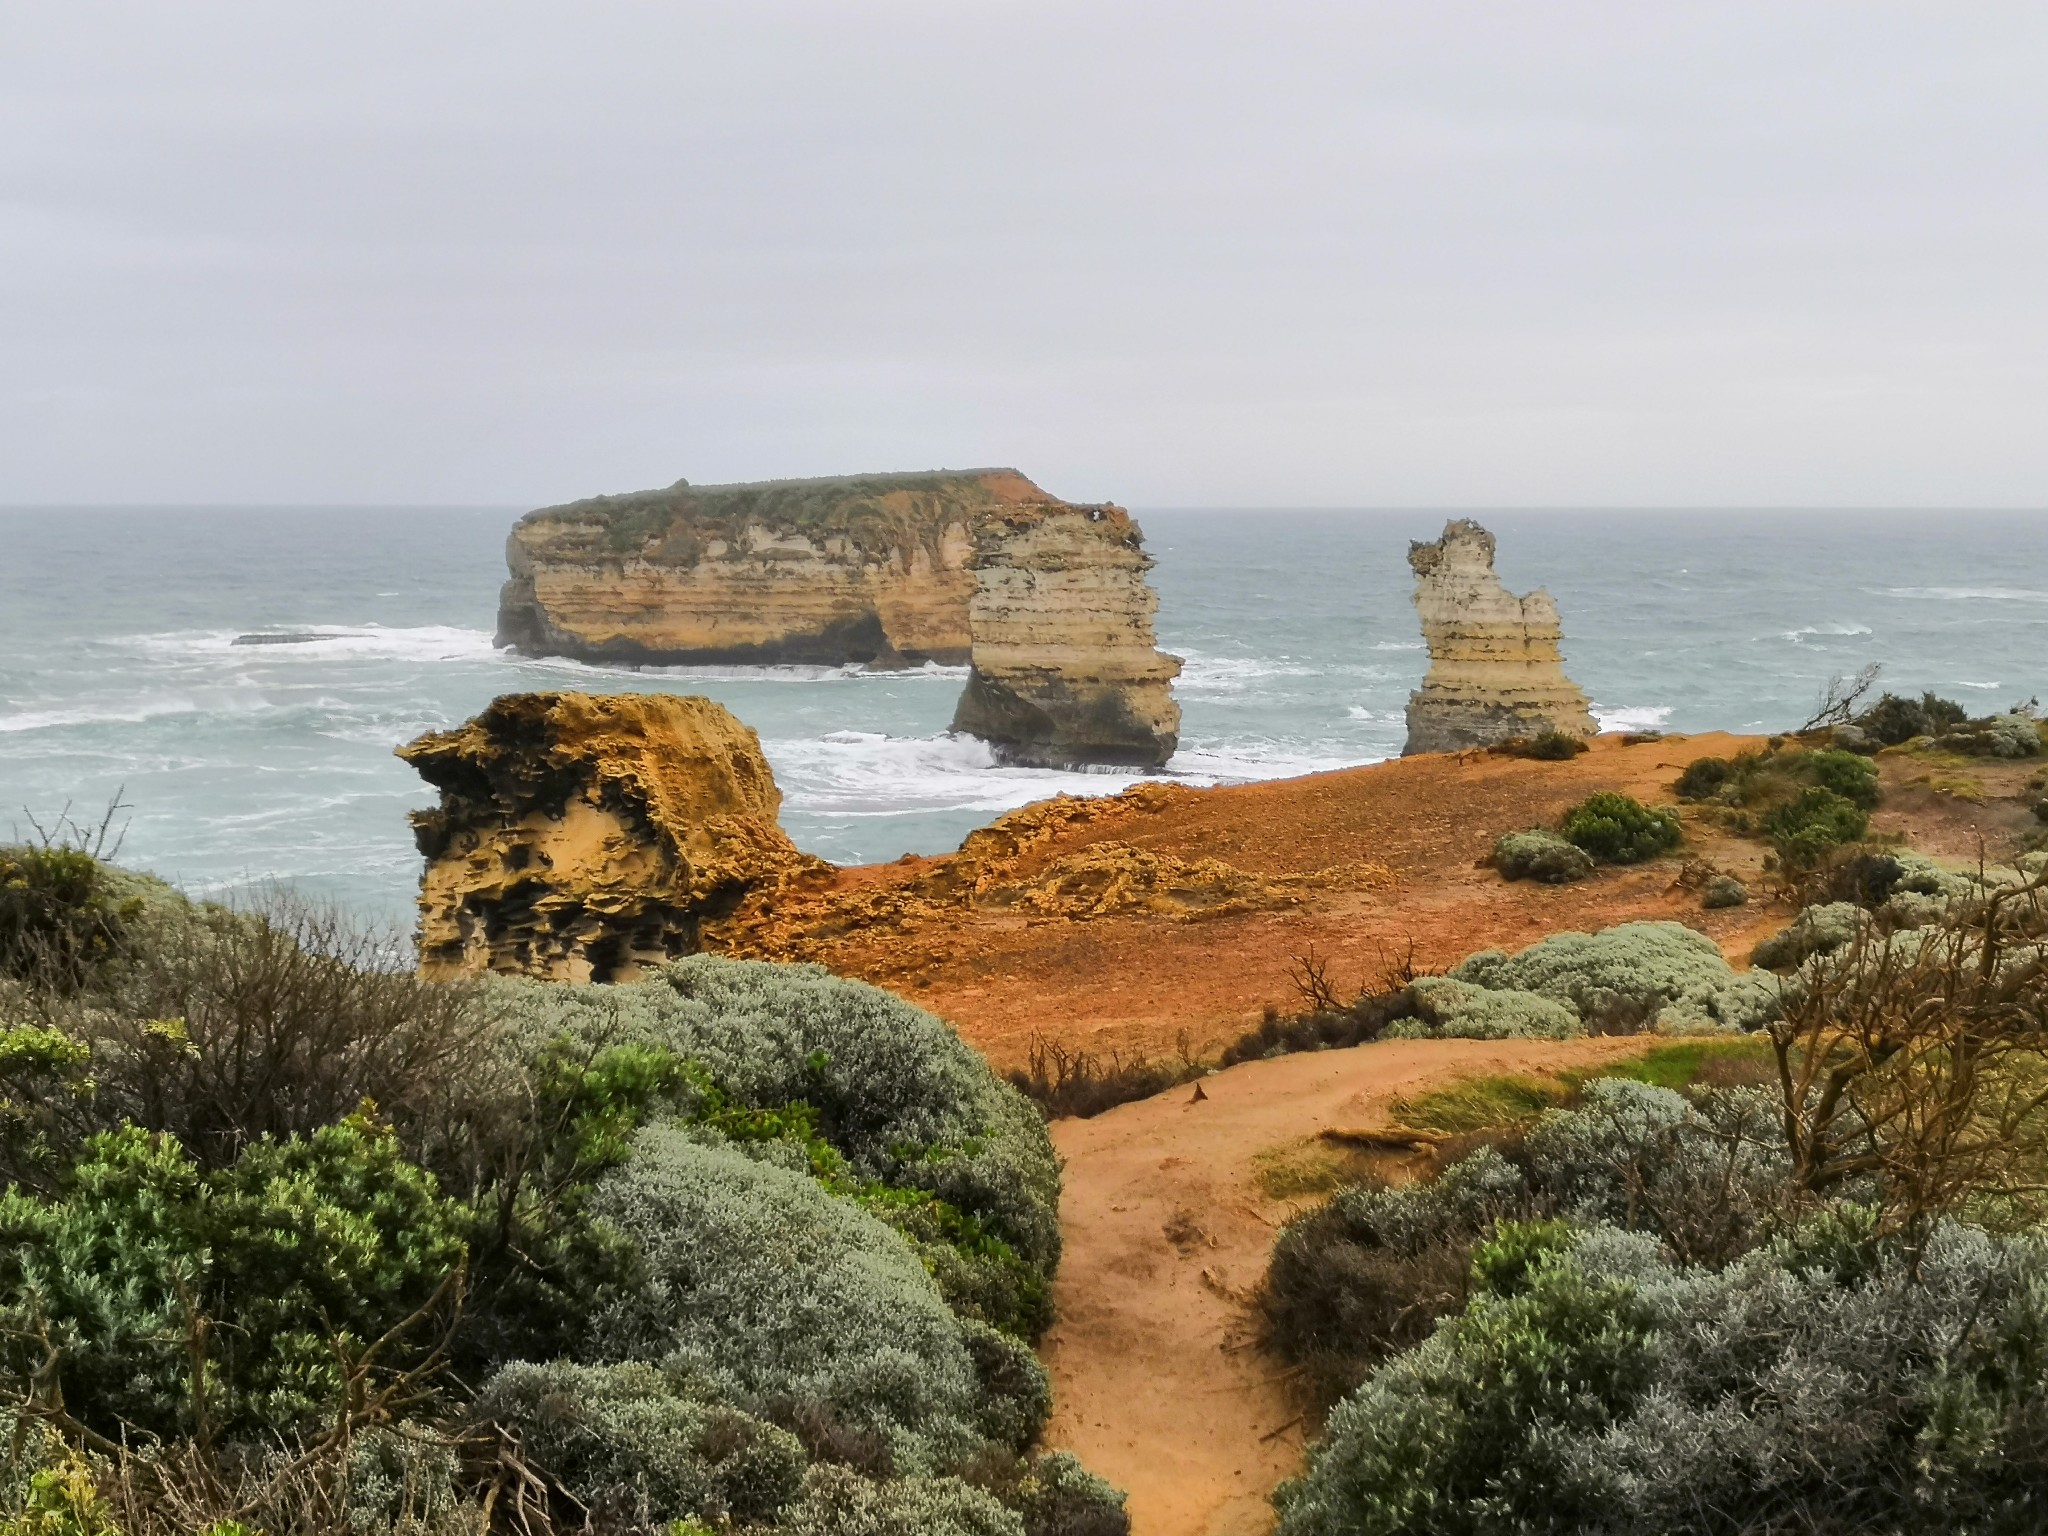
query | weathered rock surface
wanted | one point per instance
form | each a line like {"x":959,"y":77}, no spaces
{"x":583,"y":837}
{"x":1065,"y":671}
{"x":1494,"y":668}
{"x":871,"y":568}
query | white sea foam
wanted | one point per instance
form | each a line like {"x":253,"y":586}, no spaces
{"x":325,"y":643}
{"x":1797,"y":636}
{"x":1969,"y":594}
{"x":1632,"y":717}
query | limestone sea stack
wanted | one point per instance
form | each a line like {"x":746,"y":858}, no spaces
{"x":585,"y":838}
{"x":872,"y":569}
{"x":1065,"y":670}
{"x":1495,"y":672}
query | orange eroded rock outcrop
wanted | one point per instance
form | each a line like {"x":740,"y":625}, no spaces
{"x":583,"y":837}
{"x":869,"y":568}
{"x":1495,"y":672}
{"x":1065,"y":669}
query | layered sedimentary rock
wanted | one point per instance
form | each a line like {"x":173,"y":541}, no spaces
{"x":1065,"y":671}
{"x":1494,"y":668}
{"x":583,"y":838}
{"x":872,"y":569}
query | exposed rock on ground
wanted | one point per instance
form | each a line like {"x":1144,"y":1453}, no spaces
{"x":1495,"y":673}
{"x":871,"y":569}
{"x":1065,"y":670}
{"x":1059,"y":861}
{"x":582,"y":837}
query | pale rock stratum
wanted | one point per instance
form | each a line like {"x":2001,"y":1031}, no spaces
{"x":1064,"y":668}
{"x":1495,"y":672}
{"x":871,"y":569}
{"x":587,"y":837}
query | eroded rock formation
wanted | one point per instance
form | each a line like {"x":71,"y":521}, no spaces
{"x":1494,"y":668}
{"x":583,"y":837}
{"x":1065,"y":671}
{"x":871,"y":569}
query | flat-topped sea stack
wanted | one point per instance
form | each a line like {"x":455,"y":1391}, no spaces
{"x":1495,"y":672}
{"x":583,"y":837}
{"x":873,"y":569}
{"x":1065,"y":669}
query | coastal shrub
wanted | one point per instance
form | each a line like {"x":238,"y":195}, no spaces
{"x":1607,"y":1387}
{"x":222,"y":1027}
{"x":1451,"y":1009}
{"x":1702,"y":778}
{"x":1805,"y":829}
{"x":1054,"y":1495}
{"x":637,"y":1447}
{"x":1817,"y":930}
{"x":61,"y":913}
{"x":1630,"y":977}
{"x":1369,"y":1272}
{"x":1543,"y":747}
{"x":1893,"y":720}
{"x":839,"y":1502}
{"x":2009,"y":736}
{"x":1619,"y":829}
{"x":1723,"y":891}
{"x":756,"y":1279}
{"x":1853,"y":778}
{"x":300,"y":1253}
{"x":1072,"y":1081}
{"x":1540,"y":855}
{"x":897,"y":1092}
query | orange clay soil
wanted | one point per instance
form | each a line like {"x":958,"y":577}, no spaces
{"x":1133,"y":921}
{"x":1158,"y":1381}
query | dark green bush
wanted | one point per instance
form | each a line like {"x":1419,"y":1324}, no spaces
{"x":1853,"y":778}
{"x":1892,"y":719}
{"x":1619,"y":829}
{"x":58,"y":917}
{"x":1702,"y":778}
{"x":1544,"y":747}
{"x":1804,"y":830}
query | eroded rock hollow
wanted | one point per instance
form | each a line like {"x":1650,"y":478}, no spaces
{"x":1495,"y":672}
{"x":1065,"y":669}
{"x":586,"y":837}
{"x":873,"y":569}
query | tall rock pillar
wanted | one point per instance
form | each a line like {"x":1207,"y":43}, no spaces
{"x":1065,"y":669}
{"x":1494,"y":668}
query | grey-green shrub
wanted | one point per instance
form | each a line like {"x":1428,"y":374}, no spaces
{"x":1817,"y":930}
{"x":1815,"y":1384}
{"x":1540,"y":855}
{"x":1723,"y":891}
{"x":1996,"y":736}
{"x":1634,"y":975}
{"x":838,"y":1502}
{"x":754,"y":1278}
{"x":636,"y":1445}
{"x":899,"y":1093}
{"x":1451,"y":1009}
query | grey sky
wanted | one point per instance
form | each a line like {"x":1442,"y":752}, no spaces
{"x":1181,"y":253}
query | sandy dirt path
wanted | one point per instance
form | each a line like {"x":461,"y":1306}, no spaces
{"x":1157,"y":1382}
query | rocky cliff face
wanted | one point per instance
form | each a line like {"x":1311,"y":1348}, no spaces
{"x":583,"y":838}
{"x":872,"y":569}
{"x":1494,"y":668}
{"x":1065,"y":671}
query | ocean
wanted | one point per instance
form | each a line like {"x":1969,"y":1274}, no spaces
{"x":244,"y":765}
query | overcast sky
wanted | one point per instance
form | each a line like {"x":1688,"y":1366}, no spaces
{"x":1350,"y":254}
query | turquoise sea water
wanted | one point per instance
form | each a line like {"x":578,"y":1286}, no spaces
{"x":244,"y":764}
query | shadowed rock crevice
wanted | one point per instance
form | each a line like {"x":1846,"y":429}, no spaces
{"x":1495,"y":672}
